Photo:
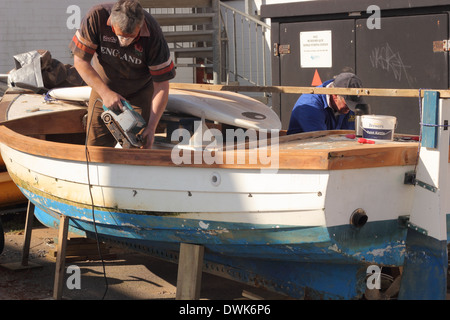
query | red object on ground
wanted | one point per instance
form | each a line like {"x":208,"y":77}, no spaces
{"x":363,"y":140}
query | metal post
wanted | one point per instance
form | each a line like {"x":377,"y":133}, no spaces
{"x":263,"y":36}
{"x":217,"y":46}
{"x":250,"y":50}
{"x":242,"y":45}
{"x":257,"y":54}
{"x":234,"y":47}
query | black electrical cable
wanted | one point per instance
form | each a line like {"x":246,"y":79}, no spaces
{"x":92,"y":198}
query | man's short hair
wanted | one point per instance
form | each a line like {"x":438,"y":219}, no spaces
{"x":127,"y":15}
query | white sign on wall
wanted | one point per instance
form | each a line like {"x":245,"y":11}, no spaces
{"x":316,"y":49}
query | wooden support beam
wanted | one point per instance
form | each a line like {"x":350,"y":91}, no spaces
{"x":61,"y":257}
{"x":24,"y":264}
{"x":189,"y":271}
{"x":28,"y":230}
{"x":375,"y":92}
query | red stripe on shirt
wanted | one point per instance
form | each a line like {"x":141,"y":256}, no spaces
{"x":82,"y":46}
{"x":163,"y":70}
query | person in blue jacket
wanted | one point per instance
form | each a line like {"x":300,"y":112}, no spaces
{"x":316,"y":112}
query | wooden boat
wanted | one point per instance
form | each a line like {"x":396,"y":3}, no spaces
{"x":9,"y":193}
{"x":26,"y":104}
{"x":304,"y":215}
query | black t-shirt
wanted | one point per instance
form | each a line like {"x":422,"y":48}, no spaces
{"x":126,"y":70}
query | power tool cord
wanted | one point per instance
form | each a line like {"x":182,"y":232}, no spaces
{"x":92,"y":198}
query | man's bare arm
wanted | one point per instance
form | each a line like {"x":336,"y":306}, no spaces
{"x":110,"y":98}
{"x":159,"y":103}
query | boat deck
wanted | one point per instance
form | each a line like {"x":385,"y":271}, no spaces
{"x":28,"y":104}
{"x":323,"y":150}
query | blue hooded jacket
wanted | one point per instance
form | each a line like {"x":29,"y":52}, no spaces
{"x":312,"y":113}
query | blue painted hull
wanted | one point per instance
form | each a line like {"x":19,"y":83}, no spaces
{"x":377,"y":242}
{"x":334,"y":258}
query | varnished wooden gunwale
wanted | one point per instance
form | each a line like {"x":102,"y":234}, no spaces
{"x":363,"y":156}
{"x":16,"y":134}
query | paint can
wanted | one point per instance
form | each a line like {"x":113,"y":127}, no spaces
{"x":378,"y":127}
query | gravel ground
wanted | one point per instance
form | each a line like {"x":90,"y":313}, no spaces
{"x":130,"y":275}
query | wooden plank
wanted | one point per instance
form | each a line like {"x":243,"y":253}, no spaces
{"x":189,"y":271}
{"x":4,"y":177}
{"x":82,"y":247}
{"x":60,"y":259}
{"x":67,"y":121}
{"x":376,"y":92}
{"x":28,"y":230}
{"x":88,"y":252}
{"x":373,"y":157}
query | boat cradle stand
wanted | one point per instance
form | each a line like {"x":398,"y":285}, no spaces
{"x":24,"y":264}
{"x":189,"y":266}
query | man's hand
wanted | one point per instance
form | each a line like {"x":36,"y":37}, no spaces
{"x":112,"y":101}
{"x":148,"y":136}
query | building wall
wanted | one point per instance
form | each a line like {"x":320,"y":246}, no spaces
{"x":27,"y":25}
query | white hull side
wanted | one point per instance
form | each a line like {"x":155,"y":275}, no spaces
{"x":247,"y":196}
{"x":380,"y":192}
{"x":315,"y":198}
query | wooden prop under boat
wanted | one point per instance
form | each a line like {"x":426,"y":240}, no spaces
{"x":306,"y":216}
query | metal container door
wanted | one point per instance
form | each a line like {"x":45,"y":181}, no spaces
{"x":311,"y":53}
{"x":400,"y":55}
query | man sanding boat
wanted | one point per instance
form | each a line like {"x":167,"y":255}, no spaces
{"x":130,"y":61}
{"x":316,"y":112}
